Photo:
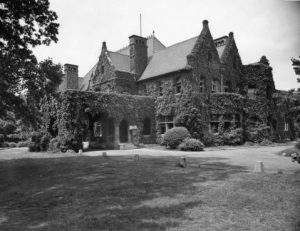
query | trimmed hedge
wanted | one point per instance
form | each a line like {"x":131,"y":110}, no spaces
{"x":190,"y":144}
{"x":175,"y":136}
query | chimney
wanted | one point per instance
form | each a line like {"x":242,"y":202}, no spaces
{"x":70,"y":79}
{"x":138,"y":54}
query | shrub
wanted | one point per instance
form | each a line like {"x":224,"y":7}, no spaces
{"x":33,"y":147}
{"x":190,"y":144}
{"x":12,"y":144}
{"x":175,"y":136}
{"x":44,"y":142}
{"x":233,"y":137}
{"x":22,"y":144}
{"x":4,"y":145}
{"x":208,"y":140}
{"x":36,"y":137}
{"x":54,"y":145}
{"x":258,"y":134}
{"x":69,"y":142}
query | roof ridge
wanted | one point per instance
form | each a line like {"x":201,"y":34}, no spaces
{"x":118,"y":53}
{"x":183,"y":41}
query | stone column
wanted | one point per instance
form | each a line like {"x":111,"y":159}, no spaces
{"x":117,"y":135}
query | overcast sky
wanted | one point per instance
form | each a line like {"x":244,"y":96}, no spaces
{"x":261,"y":27}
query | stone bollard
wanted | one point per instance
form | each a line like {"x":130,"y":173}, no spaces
{"x":259,"y":167}
{"x":80,"y":152}
{"x":104,"y":154}
{"x":182,"y":162}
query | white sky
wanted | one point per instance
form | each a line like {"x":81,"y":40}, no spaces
{"x":261,"y":27}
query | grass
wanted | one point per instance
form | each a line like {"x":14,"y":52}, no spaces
{"x":118,"y":193}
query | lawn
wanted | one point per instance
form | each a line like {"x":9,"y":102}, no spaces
{"x":118,"y":193}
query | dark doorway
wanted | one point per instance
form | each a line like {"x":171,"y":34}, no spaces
{"x":123,"y":129}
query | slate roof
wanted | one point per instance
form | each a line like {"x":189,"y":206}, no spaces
{"x":153,"y":44}
{"x":86,"y":79}
{"x":171,"y":59}
{"x":120,"y":61}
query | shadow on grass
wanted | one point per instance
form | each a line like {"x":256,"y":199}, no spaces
{"x":96,"y":193}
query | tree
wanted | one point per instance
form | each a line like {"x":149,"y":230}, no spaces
{"x":23,"y":25}
{"x":296,"y":66}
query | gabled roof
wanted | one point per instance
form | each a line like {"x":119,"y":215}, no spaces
{"x":86,"y":79}
{"x":170,"y":59}
{"x":153,"y":44}
{"x":80,"y":79}
{"x":120,"y":61}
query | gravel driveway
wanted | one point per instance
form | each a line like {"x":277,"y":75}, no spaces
{"x":243,"y":156}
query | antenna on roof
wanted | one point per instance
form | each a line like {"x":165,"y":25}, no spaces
{"x":141,"y":25}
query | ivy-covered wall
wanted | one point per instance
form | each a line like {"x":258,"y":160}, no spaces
{"x":72,"y":112}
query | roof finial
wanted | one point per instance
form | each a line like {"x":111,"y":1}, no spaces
{"x":231,"y":34}
{"x":205,"y":22}
{"x":153,"y":33}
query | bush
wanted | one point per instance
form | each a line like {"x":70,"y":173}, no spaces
{"x":175,"y":136}
{"x":190,"y":144}
{"x":22,"y":144}
{"x":257,"y":135}
{"x":54,"y":145}
{"x":44,"y":142}
{"x":69,"y":142}
{"x":36,"y":137}
{"x":4,"y":145}
{"x":12,"y":144}
{"x":208,"y":140}
{"x":33,"y":147}
{"x":233,"y":137}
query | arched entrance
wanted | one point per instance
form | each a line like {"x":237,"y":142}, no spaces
{"x":123,"y":129}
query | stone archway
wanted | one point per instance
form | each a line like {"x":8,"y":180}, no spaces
{"x":123,"y":131}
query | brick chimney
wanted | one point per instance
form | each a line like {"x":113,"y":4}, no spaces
{"x":138,"y":54}
{"x":70,"y":79}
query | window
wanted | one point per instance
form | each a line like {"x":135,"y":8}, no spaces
{"x":213,"y":87}
{"x":166,"y":123}
{"x":102,"y":69}
{"x":201,"y":85}
{"x":146,"y":126}
{"x":160,"y":89}
{"x":286,"y":126}
{"x":178,"y":87}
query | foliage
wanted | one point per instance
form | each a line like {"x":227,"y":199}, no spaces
{"x":44,"y":142}
{"x":296,"y":66}
{"x":19,"y":70}
{"x":12,"y":144}
{"x":1,"y":138}
{"x":175,"y":136}
{"x":226,"y":103}
{"x":258,"y":134}
{"x":22,"y":144}
{"x":190,"y":144}
{"x":54,"y":145}
{"x":34,"y":144}
{"x":233,"y":137}
{"x":4,"y":145}
{"x":68,"y":113}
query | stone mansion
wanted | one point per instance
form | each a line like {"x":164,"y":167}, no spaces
{"x":230,"y":94}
